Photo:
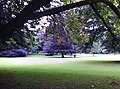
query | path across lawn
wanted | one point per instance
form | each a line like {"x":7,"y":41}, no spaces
{"x":82,"y":57}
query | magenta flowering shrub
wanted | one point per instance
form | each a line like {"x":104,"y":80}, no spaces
{"x":14,"y":53}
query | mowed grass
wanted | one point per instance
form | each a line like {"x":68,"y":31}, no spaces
{"x":83,"y":74}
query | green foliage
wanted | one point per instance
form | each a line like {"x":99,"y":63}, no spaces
{"x":115,"y":2}
{"x":117,"y":26}
{"x":74,"y":26}
{"x":70,"y":1}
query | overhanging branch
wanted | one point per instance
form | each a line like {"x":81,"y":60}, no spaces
{"x":104,"y":22}
{"x":57,"y":10}
{"x":28,"y":13}
{"x":69,"y":6}
{"x":19,"y":21}
{"x":115,"y":9}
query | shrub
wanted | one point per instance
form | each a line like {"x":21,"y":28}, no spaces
{"x":14,"y":53}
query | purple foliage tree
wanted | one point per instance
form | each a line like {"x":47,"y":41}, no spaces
{"x":57,"y":44}
{"x":56,"y":39}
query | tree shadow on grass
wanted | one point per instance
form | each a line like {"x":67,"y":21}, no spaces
{"x":102,"y":62}
{"x":63,"y":57}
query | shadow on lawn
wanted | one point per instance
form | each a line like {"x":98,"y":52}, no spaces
{"x":102,"y":62}
{"x":64,"y":57}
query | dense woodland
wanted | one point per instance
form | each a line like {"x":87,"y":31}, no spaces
{"x":59,"y":27}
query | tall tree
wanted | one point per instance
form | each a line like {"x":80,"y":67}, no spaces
{"x":56,"y":39}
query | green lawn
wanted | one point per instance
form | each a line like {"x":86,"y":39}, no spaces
{"x":84,"y":74}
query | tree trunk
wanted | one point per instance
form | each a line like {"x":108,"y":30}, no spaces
{"x":62,"y":55}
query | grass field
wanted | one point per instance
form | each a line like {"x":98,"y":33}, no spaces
{"x":39,"y":72}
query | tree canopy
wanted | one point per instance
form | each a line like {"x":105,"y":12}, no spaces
{"x":14,"y":14}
